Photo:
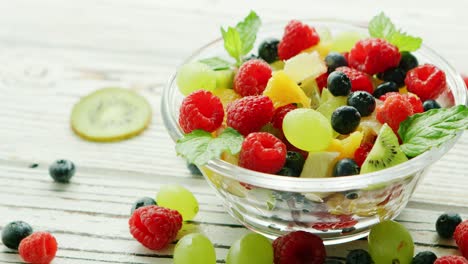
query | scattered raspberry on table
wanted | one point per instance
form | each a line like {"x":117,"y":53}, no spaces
{"x":40,"y":248}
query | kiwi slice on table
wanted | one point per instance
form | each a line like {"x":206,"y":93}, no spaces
{"x":385,"y":153}
{"x":110,"y":114}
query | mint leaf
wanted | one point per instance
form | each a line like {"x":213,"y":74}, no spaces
{"x":424,"y":131}
{"x":248,"y":29}
{"x":382,"y":27}
{"x":199,"y":146}
{"x":216,"y":63}
{"x":232,"y":43}
{"x":239,"y":40}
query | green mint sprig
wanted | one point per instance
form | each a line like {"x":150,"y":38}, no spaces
{"x":424,"y":131}
{"x":382,"y":27}
{"x":216,"y":63}
{"x":239,"y":40}
{"x":199,"y":146}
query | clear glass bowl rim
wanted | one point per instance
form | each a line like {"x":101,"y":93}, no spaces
{"x":293,"y":184}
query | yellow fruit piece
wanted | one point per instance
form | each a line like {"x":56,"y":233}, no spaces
{"x":226,"y":95}
{"x":277,"y":65}
{"x":347,"y":146}
{"x":403,"y":90}
{"x":282,"y":90}
{"x":336,"y":146}
{"x":228,"y":157}
{"x":304,"y":66}
{"x":323,"y":48}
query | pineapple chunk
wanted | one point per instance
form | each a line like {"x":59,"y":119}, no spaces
{"x":282,"y":90}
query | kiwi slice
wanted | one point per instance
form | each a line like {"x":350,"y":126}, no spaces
{"x":110,"y":114}
{"x":385,"y":153}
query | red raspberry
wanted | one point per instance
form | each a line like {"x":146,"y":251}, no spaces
{"x":321,"y":81}
{"x":359,"y":80}
{"x":201,"y":110}
{"x":249,"y":114}
{"x":252,"y":77}
{"x":361,"y":153}
{"x":461,"y":237}
{"x":451,"y":260}
{"x":40,"y":248}
{"x":263,"y":152}
{"x":393,"y":111}
{"x":155,"y":227}
{"x":426,"y":81}
{"x":373,"y":56}
{"x":299,"y":247}
{"x":278,"y":115}
{"x":296,"y":38}
{"x":416,"y":104}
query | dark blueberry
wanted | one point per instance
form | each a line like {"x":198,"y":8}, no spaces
{"x":194,"y":170}
{"x":358,"y":256}
{"x":446,"y":224}
{"x":363,"y":101}
{"x":338,"y":84}
{"x":345,"y":167}
{"x":294,"y":161}
{"x":250,"y":57}
{"x":345,"y":119}
{"x":145,"y":201}
{"x":334,"y":60}
{"x":14,"y":232}
{"x":424,"y":257}
{"x":430,"y":104}
{"x":62,"y":170}
{"x":333,"y":261}
{"x":384,"y":88}
{"x":286,"y":171}
{"x":268,"y":50}
{"x":34,"y":165}
{"x":351,"y":195}
{"x":396,"y":75}
{"x":408,"y":61}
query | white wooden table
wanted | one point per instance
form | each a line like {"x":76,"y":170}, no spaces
{"x":52,"y":52}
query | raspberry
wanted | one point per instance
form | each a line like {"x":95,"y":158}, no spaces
{"x":461,"y":237}
{"x":394,"y":110}
{"x":451,"y":260}
{"x":201,"y":110}
{"x":299,"y":247}
{"x":415,"y":102}
{"x":361,"y":153}
{"x":321,"y":81}
{"x":297,"y":37}
{"x":426,"y":81}
{"x":155,"y":227}
{"x":278,"y":115}
{"x":373,"y":56}
{"x":252,"y":77}
{"x":40,"y":248}
{"x":249,"y":114}
{"x":263,"y":152}
{"x":359,"y":80}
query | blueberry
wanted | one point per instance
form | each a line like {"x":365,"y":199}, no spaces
{"x":145,"y":201}
{"x":408,"y":61}
{"x":286,"y":171}
{"x":358,"y":256}
{"x":396,"y":75}
{"x":194,"y":170}
{"x":384,"y":88}
{"x":430,"y":104}
{"x":363,"y":101}
{"x":446,"y":224}
{"x":338,"y":84}
{"x":345,"y":119}
{"x":62,"y":170}
{"x":268,"y":50}
{"x":14,"y":232}
{"x":345,"y":167}
{"x":334,"y":60}
{"x":294,"y":161}
{"x":424,"y":257}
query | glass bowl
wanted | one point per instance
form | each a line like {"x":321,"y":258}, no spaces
{"x":338,"y":209}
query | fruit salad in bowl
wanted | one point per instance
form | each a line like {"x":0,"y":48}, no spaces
{"x":323,"y":126}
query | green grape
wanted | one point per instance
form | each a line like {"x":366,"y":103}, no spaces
{"x":345,"y":41}
{"x":195,"y":76}
{"x":194,"y":249}
{"x":390,"y":242}
{"x":224,"y":79}
{"x":328,"y":103}
{"x":307,"y":129}
{"x":178,"y":198}
{"x":250,"y":249}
